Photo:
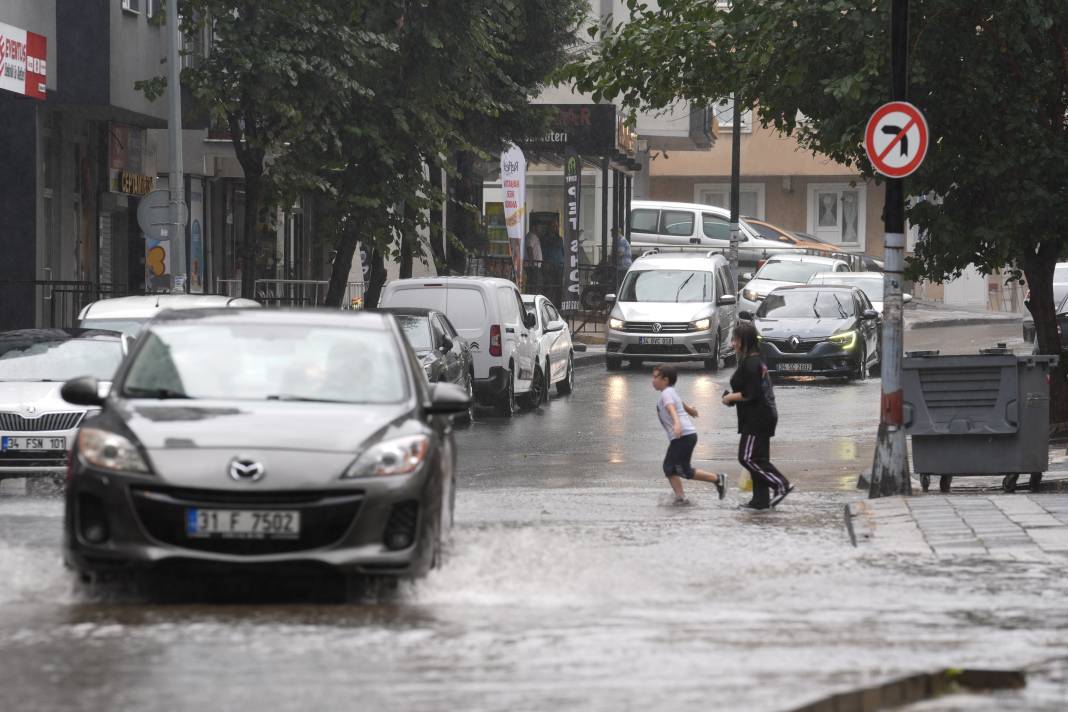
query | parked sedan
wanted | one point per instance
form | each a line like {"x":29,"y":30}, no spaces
{"x":822,"y":331}
{"x":790,"y":238}
{"x":871,"y":283}
{"x":263,"y":439}
{"x":443,"y":353}
{"x":783,"y":269}
{"x":556,"y":354}
{"x":36,"y":425}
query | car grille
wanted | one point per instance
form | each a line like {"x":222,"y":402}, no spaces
{"x":803,"y":346}
{"x":324,"y":517}
{"x":17,"y":423}
{"x":655,"y":349}
{"x":34,"y":458}
{"x":649,"y":327}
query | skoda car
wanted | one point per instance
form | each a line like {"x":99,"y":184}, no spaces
{"x":277,"y":439}
{"x":818,"y":330}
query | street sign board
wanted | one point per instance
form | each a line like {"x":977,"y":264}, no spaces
{"x":23,"y":64}
{"x":154,"y":214}
{"x":896,"y":139}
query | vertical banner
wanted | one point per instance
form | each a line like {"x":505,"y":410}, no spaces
{"x":514,"y":187}
{"x":572,"y":220}
{"x":196,"y":235}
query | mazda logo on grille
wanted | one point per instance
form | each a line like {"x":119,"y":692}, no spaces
{"x":244,"y":469}
{"x":657,"y":327}
{"x":794,"y":342}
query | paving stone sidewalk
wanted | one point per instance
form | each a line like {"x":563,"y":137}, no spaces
{"x":1016,"y":527}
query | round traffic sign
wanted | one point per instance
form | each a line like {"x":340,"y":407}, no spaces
{"x":896,"y":139}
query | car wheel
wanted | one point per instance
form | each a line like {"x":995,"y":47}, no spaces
{"x":506,"y":400}
{"x":538,"y":390}
{"x":566,"y":386}
{"x":712,"y":364}
{"x":468,"y":415}
{"x":612,"y":364}
{"x":860,"y":368}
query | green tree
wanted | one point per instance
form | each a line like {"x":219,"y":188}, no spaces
{"x":991,"y":79}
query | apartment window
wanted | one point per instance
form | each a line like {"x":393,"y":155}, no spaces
{"x":836,"y":213}
{"x":153,"y":10}
{"x":751,"y":197}
{"x":132,"y":6}
{"x":724,"y":110}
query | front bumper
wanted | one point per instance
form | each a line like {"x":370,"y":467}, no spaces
{"x":36,"y":463}
{"x":821,"y":359}
{"x":683,"y":346}
{"x":140,"y":525}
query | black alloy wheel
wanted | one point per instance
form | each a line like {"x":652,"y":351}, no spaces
{"x":566,"y":386}
{"x":506,"y":400}
{"x":538,"y":390}
{"x":469,"y":385}
{"x":712,"y":364}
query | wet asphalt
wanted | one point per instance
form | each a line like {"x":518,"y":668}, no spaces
{"x":571,"y":583}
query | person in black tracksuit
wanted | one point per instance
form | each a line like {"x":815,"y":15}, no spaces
{"x":752,"y":393}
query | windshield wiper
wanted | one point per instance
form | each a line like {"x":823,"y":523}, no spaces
{"x":160,"y":393}
{"x":683,"y":285}
{"x":841,"y":309}
{"x":302,"y":399}
{"x":815,"y":311}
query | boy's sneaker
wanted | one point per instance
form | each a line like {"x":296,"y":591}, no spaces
{"x":721,"y":484}
{"x":782,"y":495}
{"x":682,"y":502}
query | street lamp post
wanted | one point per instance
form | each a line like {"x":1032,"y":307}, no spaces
{"x":176,"y":181}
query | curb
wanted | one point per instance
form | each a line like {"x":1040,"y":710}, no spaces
{"x":585,"y":359}
{"x":962,"y":321}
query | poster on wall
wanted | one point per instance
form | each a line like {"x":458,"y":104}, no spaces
{"x":514,"y":187}
{"x":196,"y":236}
{"x":157,"y":265}
{"x":572,"y":233}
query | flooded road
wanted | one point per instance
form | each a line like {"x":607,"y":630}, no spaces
{"x":570,"y":584}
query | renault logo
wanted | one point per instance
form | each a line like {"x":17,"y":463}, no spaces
{"x":244,"y":469}
{"x":794,"y":342}
{"x":657,"y":327}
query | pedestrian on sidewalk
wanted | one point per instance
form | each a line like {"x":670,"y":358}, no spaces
{"x":675,"y":416}
{"x":752,"y":393}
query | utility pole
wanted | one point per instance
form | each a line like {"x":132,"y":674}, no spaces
{"x":176,"y":181}
{"x":736,"y":187}
{"x":890,"y":470}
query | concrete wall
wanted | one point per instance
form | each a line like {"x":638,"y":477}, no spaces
{"x":137,"y":46}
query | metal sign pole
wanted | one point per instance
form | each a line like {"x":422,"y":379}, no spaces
{"x":890,"y":474}
{"x":736,"y":186}
{"x":176,"y":183}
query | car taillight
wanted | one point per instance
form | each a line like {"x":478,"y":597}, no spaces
{"x":495,"y":340}
{"x":760,"y":263}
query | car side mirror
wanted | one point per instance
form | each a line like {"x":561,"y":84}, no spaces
{"x":610,"y":298}
{"x":554,"y":325}
{"x":530,"y":320}
{"x":447,"y":399}
{"x":85,"y":390}
{"x":446,"y":344}
{"x":870,"y":314}
{"x":747,"y":276}
{"x":745,"y":315}
{"x":725,"y":300}
{"x":906,"y":298}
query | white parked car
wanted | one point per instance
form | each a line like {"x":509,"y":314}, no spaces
{"x":37,"y":426}
{"x":781,"y":270}
{"x":871,"y":283}
{"x":489,"y":314}
{"x":129,"y":314}
{"x":556,"y":354}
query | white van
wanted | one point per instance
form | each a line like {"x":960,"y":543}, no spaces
{"x":129,"y":314}
{"x":488,"y":313}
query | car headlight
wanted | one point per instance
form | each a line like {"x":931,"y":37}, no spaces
{"x":751,"y":294}
{"x":615,"y":323}
{"x":847,"y":339}
{"x":400,"y":456}
{"x":701,"y":325}
{"x":109,"y":451}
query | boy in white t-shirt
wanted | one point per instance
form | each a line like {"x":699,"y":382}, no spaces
{"x":675,"y":417}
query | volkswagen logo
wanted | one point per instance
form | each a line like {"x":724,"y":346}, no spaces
{"x":657,"y":327}
{"x":244,"y":469}
{"x":794,"y":342}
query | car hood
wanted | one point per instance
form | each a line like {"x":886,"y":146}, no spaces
{"x":42,"y":395}
{"x":661,"y":311}
{"x":801,"y":327}
{"x":764,"y":286}
{"x":286,"y":425}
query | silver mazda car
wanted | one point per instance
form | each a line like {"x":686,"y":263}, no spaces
{"x":265,"y":440}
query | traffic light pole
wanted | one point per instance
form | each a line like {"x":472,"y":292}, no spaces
{"x":890,"y":469}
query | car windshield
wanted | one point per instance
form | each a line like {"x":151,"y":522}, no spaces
{"x":416,"y":329}
{"x":267,"y":362}
{"x":666,"y":285}
{"x":814,"y":303}
{"x":872,"y":287}
{"x":790,"y":271}
{"x":58,"y":359}
{"x":130,"y":327}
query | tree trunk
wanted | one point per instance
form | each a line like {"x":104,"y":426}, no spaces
{"x":375,"y":281}
{"x":438,"y":230}
{"x":408,"y":234}
{"x":342,"y":265}
{"x":1038,"y":268}
{"x":250,"y":236}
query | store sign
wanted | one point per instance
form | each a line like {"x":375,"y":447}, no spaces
{"x":590,"y":129}
{"x":23,"y":68}
{"x":572,"y":220}
{"x":514,"y":186}
{"x":132,"y":183}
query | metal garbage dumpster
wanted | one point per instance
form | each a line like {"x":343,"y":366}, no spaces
{"x":982,"y":414}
